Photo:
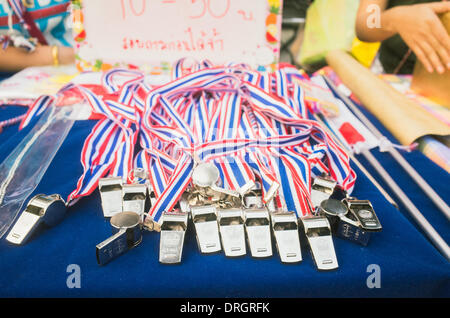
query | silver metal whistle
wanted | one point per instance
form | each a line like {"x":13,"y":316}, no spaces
{"x":321,"y":189}
{"x":337,"y":211}
{"x":253,"y":199}
{"x":206,"y":228}
{"x":46,"y":209}
{"x":355,"y":224}
{"x":173,"y":230}
{"x":232,"y":233}
{"x":133,"y":198}
{"x":318,"y":233}
{"x":257,"y":226}
{"x":285,"y":230}
{"x":206,"y":177}
{"x":364,"y":212}
{"x":111,"y":195}
{"x":127,"y":230}
{"x":343,"y":223}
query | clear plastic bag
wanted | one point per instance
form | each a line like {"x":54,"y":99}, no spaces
{"x":23,"y":169}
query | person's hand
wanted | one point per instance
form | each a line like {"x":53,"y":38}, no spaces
{"x":422,"y":30}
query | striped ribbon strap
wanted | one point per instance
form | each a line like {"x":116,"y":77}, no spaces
{"x":253,"y":126}
{"x":110,"y":145}
{"x":177,"y":184}
{"x":37,"y":108}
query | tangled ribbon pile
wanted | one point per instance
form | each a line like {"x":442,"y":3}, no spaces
{"x":253,"y":126}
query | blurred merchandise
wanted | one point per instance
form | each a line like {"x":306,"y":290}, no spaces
{"x":364,"y":52}
{"x":27,"y":85}
{"x":436,"y":151}
{"x":330,"y":25}
{"x":434,"y":86}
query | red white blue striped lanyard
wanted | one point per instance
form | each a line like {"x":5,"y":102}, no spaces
{"x":253,"y":126}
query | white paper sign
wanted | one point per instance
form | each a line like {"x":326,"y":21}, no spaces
{"x":153,"y":34}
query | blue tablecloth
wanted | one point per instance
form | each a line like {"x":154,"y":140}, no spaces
{"x":409,"y":265}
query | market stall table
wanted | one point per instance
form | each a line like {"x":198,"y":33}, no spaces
{"x":409,"y":265}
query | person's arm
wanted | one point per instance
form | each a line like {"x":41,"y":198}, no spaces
{"x":365,"y":13}
{"x":418,"y":25}
{"x":14,"y":59}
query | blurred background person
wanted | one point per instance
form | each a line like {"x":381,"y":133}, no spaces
{"x":34,"y":33}
{"x":408,"y":29}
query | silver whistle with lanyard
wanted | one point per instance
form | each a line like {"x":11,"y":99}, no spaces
{"x":321,"y":189}
{"x":364,"y":213}
{"x":205,"y":178}
{"x":204,"y":218}
{"x":257,"y":225}
{"x":173,"y":231}
{"x":232,"y":233}
{"x":354,"y":224}
{"x":127,"y":234}
{"x":318,"y":233}
{"x":133,"y":197}
{"x":286,"y":233}
{"x":46,"y":209}
{"x":111,"y":195}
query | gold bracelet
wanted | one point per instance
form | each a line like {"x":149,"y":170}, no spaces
{"x":55,"y":51}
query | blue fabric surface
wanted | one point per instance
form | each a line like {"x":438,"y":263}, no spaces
{"x":8,"y":112}
{"x":410,"y":265}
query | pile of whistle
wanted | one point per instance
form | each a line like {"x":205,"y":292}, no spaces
{"x":223,"y":220}
{"x":227,"y":221}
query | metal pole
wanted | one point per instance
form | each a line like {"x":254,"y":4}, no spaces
{"x":437,"y":200}
{"x":434,"y":236}
{"x":428,"y":229}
